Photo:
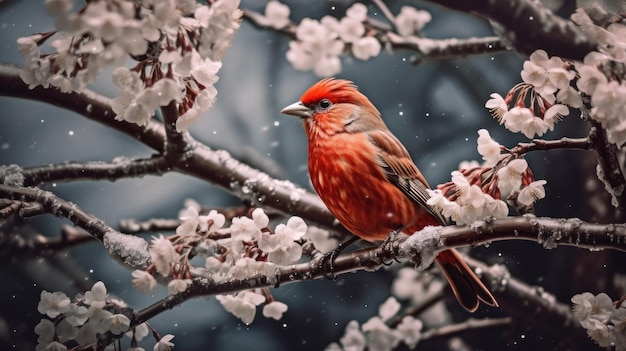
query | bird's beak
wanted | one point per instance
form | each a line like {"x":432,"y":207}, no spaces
{"x":297,"y":109}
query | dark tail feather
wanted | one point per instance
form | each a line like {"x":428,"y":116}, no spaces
{"x":467,"y":288}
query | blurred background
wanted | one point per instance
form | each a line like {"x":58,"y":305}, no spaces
{"x":435,"y":109}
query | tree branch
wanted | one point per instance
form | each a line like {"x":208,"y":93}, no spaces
{"x":532,"y":304}
{"x":469,"y":326}
{"x":528,"y":26}
{"x":87,"y":103}
{"x":546,"y":145}
{"x":129,"y":250}
{"x":426,"y":49}
{"x":217,"y":167}
{"x":609,"y":170}
{"x":18,"y":248}
{"x":419,"y":248}
{"x":120,"y":167}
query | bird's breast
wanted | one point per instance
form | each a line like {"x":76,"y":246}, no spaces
{"x":345,"y":173}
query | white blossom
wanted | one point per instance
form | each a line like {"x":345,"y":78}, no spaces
{"x":243,"y":305}
{"x":54,"y":346}
{"x":165,"y":343}
{"x":53,"y":303}
{"x":497,"y":106}
{"x":379,"y":336}
{"x":569,"y":96}
{"x":87,"y":334}
{"x":77,"y":315}
{"x":281,"y":246}
{"x":163,"y":255}
{"x":139,"y":332}
{"x":96,"y":297}
{"x":410,"y":330}
{"x":321,"y":238}
{"x":45,"y":330}
{"x":143,"y":281}
{"x":317,"y":48}
{"x":358,"y":11}
{"x":365,"y":48}
{"x":353,"y":339}
{"x":590,"y":78}
{"x":588,"y":307}
{"x":532,"y":192}
{"x":351,"y":29}
{"x":244,"y":229}
{"x":389,"y":308}
{"x":410,"y":21}
{"x":58,"y":7}
{"x":190,"y":219}
{"x":261,"y":220}
{"x":510,"y":176}
{"x":176,"y":286}
{"x":488,"y":148}
{"x":119,"y":324}
{"x":274,"y":309}
{"x":216,"y":219}
{"x":277,"y":13}
{"x":100,"y":321}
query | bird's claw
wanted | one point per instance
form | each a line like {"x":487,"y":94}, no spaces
{"x":387,"y":245}
{"x":327,"y":263}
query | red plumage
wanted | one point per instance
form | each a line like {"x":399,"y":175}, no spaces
{"x":367,"y":179}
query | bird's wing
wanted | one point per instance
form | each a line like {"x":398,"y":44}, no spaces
{"x":402,"y":172}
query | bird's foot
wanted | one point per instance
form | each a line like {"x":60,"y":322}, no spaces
{"x":327,"y":262}
{"x":387,"y":246}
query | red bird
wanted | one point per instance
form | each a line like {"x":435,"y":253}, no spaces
{"x":367,"y":179}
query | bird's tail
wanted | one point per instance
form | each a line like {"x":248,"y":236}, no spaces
{"x":467,"y":288}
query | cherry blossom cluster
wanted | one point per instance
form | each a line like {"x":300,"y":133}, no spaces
{"x":604,"y":320}
{"x":377,"y":334}
{"x":178,"y":44}
{"x":79,"y":322}
{"x":247,"y":248}
{"x":602,"y":73}
{"x":534,"y":106}
{"x":318,"y":44}
{"x":476,"y":191}
{"x":391,"y":327}
{"x":551,"y":85}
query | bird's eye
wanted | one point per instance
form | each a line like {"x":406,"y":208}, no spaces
{"x":325,"y":104}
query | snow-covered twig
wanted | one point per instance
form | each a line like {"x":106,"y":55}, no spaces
{"x":120,"y":167}
{"x":129,"y":250}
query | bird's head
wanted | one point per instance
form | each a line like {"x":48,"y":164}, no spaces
{"x":334,"y":106}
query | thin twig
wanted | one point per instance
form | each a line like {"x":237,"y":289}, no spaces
{"x":386,"y":12}
{"x":609,"y":164}
{"x":117,"y":169}
{"x":469,"y":326}
{"x":427,"y":49}
{"x":545,"y":145}
{"x":19,"y":248}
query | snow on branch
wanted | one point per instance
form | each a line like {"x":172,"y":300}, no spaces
{"x":129,"y":250}
{"x":215,"y":166}
{"x":120,"y":167}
